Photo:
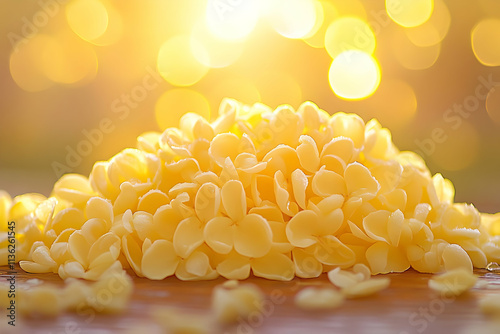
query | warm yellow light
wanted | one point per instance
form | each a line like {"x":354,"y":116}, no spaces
{"x":277,"y":88}
{"x":68,"y":60}
{"x":329,"y":13}
{"x":349,"y":8}
{"x":411,"y":56}
{"x":231,"y":20}
{"x":409,"y":13}
{"x":434,"y":30}
{"x":493,"y":103}
{"x":26,"y":66}
{"x":394,"y":104}
{"x":173,"y":104}
{"x":292,"y":18}
{"x":87,"y":18}
{"x":239,"y":88}
{"x":318,"y":22}
{"x":354,"y":75}
{"x":177,"y":63}
{"x":486,"y":42}
{"x":212,"y":51}
{"x":114,"y":31}
{"x":456,"y":149}
{"x":349,"y":33}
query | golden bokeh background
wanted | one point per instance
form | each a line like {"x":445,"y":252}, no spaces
{"x":81,"y":79}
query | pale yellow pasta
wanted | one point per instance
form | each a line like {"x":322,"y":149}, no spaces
{"x":74,"y":188}
{"x":308,"y":154}
{"x":367,"y":287}
{"x":361,"y":268}
{"x":358,"y":282}
{"x":453,"y":282}
{"x":232,"y":303}
{"x":454,"y":257}
{"x":270,"y":193}
{"x":313,"y":299}
{"x":49,"y":300}
{"x":344,"y":279}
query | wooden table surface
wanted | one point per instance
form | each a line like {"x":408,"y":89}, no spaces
{"x":407,"y":306}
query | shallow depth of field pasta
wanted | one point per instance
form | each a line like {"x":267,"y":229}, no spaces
{"x":273,"y":193}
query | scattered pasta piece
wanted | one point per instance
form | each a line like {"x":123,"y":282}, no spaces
{"x":232,"y":303}
{"x":367,"y":288}
{"x":453,"y":282}
{"x":344,"y":279}
{"x":311,"y":298}
{"x":357,"y":283}
{"x":110,"y":294}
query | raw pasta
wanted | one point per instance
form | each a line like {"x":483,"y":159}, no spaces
{"x":277,"y":193}
{"x":311,"y":298}
{"x":453,"y":282}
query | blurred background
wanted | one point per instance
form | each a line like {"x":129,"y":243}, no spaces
{"x":81,"y":79}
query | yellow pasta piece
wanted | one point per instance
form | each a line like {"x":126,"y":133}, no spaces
{"x":159,"y":260}
{"x":313,"y":299}
{"x":367,"y":287}
{"x":231,"y":303}
{"x":453,"y":282}
{"x":43,"y":300}
{"x":344,"y":279}
{"x":308,"y":154}
{"x":357,"y":283}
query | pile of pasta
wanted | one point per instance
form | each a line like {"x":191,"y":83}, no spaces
{"x":274,"y":193}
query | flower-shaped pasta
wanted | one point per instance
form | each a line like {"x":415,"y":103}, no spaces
{"x":249,"y":234}
{"x":73,"y":188}
{"x":130,"y":165}
{"x":350,"y":126}
{"x":229,"y":145}
{"x":316,"y":228}
{"x":273,"y":265}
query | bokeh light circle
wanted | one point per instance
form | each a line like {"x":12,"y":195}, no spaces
{"x":409,"y":13}
{"x":177,"y":63}
{"x":412,"y":56}
{"x":67,"y":60}
{"x":319,"y":19}
{"x":434,"y":30}
{"x":114,"y":31}
{"x":26,"y":67}
{"x":231,"y":20}
{"x":211,"y":51}
{"x":292,"y":18}
{"x":354,"y":75}
{"x":328,"y":14}
{"x":87,"y":18}
{"x":486,"y":42}
{"x":349,"y":33}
